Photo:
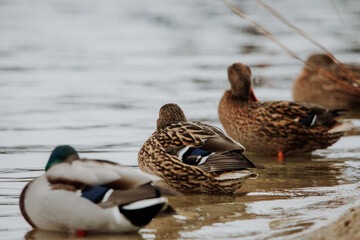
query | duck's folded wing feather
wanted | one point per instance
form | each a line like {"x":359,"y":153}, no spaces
{"x":288,"y":115}
{"x":220,"y":142}
{"x":286,"y":109}
{"x":122,"y":197}
{"x":91,"y":172}
{"x":200,"y":135}
{"x":227,"y":161}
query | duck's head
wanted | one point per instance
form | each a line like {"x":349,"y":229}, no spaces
{"x":240,"y":80}
{"x":169,"y":114}
{"x":319,"y":60}
{"x":61,"y":154}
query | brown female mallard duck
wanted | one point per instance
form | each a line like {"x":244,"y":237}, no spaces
{"x":194,"y":157}
{"x":275,"y":128}
{"x":326,"y":84}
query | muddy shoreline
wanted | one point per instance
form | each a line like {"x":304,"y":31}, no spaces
{"x":347,"y":227}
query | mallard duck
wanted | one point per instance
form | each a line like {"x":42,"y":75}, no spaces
{"x":275,"y":128}
{"x":193,"y":157}
{"x":90,"y":195}
{"x":324,"y":82}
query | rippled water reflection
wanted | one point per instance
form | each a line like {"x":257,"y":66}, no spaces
{"x":94,"y":74}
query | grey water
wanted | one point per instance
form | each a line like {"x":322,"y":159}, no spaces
{"x":93,"y":74}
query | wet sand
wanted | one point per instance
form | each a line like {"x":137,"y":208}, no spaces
{"x":346,"y":227}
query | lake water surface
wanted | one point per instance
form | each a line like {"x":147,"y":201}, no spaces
{"x":94,"y":74}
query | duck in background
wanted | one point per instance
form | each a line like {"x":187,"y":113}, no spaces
{"x":324,"y":82}
{"x":83,"y":195}
{"x":275,"y":128}
{"x":194,"y":157}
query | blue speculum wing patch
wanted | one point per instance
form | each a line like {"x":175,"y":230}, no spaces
{"x":195,"y":156}
{"x":198,"y":151}
{"x":94,"y":193}
{"x":307,"y":121}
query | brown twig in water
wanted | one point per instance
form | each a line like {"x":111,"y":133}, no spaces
{"x":302,"y":33}
{"x":240,"y":13}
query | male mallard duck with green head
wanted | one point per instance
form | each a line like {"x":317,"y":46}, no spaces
{"x":90,"y":195}
{"x":193,"y":157}
{"x":324,"y":82}
{"x":275,"y":128}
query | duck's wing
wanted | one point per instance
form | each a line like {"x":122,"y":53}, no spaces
{"x":203,"y":136}
{"x":122,"y":197}
{"x":309,"y":115}
{"x":206,"y":147}
{"x":217,"y":162}
{"x":86,"y":172}
{"x":285,"y":109}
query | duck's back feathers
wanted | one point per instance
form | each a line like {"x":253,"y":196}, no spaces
{"x":309,"y":115}
{"x":282,"y":109}
{"x":87,"y":172}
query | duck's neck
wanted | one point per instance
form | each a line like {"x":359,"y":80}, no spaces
{"x":230,"y":101}
{"x":233,"y":98}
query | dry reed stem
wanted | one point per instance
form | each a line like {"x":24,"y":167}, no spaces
{"x":312,"y":40}
{"x":337,"y":12}
{"x":240,"y":13}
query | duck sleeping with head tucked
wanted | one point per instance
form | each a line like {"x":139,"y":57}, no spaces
{"x":278,"y":127}
{"x":90,"y":195}
{"x":194,"y":157}
{"x":324,"y":82}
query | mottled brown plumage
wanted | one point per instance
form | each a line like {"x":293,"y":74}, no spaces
{"x":328,"y":85}
{"x":272,"y":127}
{"x":170,"y":154}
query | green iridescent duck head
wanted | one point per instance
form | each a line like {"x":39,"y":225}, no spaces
{"x":62,"y":153}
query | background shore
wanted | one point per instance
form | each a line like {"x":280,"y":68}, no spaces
{"x":347,"y":227}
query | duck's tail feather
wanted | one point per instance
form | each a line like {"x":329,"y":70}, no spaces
{"x":341,"y":127}
{"x":142,"y":212}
